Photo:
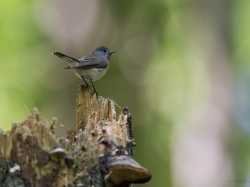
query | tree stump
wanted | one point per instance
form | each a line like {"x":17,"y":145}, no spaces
{"x":97,"y":153}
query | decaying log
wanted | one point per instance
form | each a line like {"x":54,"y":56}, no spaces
{"x":97,"y":153}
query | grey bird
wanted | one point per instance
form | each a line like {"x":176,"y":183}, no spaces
{"x":90,"y":67}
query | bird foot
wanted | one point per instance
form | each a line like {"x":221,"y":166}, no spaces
{"x":95,"y":91}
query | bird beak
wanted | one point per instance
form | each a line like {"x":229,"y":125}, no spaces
{"x":110,"y":53}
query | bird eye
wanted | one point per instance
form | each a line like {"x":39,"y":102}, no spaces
{"x":104,"y":51}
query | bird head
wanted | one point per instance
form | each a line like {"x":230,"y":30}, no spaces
{"x":103,"y":51}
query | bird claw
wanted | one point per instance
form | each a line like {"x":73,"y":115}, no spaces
{"x":95,"y":91}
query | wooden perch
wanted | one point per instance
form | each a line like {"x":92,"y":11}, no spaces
{"x":98,"y":153}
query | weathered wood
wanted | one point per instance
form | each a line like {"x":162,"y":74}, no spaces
{"x":87,"y":104}
{"x":97,"y":118}
{"x":28,"y":145}
{"x":98,"y":153}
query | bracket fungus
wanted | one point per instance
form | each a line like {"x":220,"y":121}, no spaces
{"x":123,"y":169}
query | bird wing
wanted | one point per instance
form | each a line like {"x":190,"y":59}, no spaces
{"x":91,"y":61}
{"x":65,"y":57}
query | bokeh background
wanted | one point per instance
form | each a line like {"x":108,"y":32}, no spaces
{"x":182,"y":67}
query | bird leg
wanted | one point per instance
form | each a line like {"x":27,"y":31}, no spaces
{"x":85,"y":82}
{"x":94,"y":91}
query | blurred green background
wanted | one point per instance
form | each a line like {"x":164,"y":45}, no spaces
{"x":182,"y":67}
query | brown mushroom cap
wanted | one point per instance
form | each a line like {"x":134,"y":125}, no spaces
{"x":124,"y":169}
{"x":69,"y":161}
{"x":57,"y":153}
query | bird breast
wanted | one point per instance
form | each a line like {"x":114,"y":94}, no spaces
{"x":91,"y":74}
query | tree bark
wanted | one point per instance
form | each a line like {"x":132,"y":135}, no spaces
{"x":97,"y":153}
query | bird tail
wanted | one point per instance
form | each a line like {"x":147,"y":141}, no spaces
{"x":65,"y":57}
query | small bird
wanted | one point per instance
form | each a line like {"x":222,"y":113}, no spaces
{"x":90,"y":67}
